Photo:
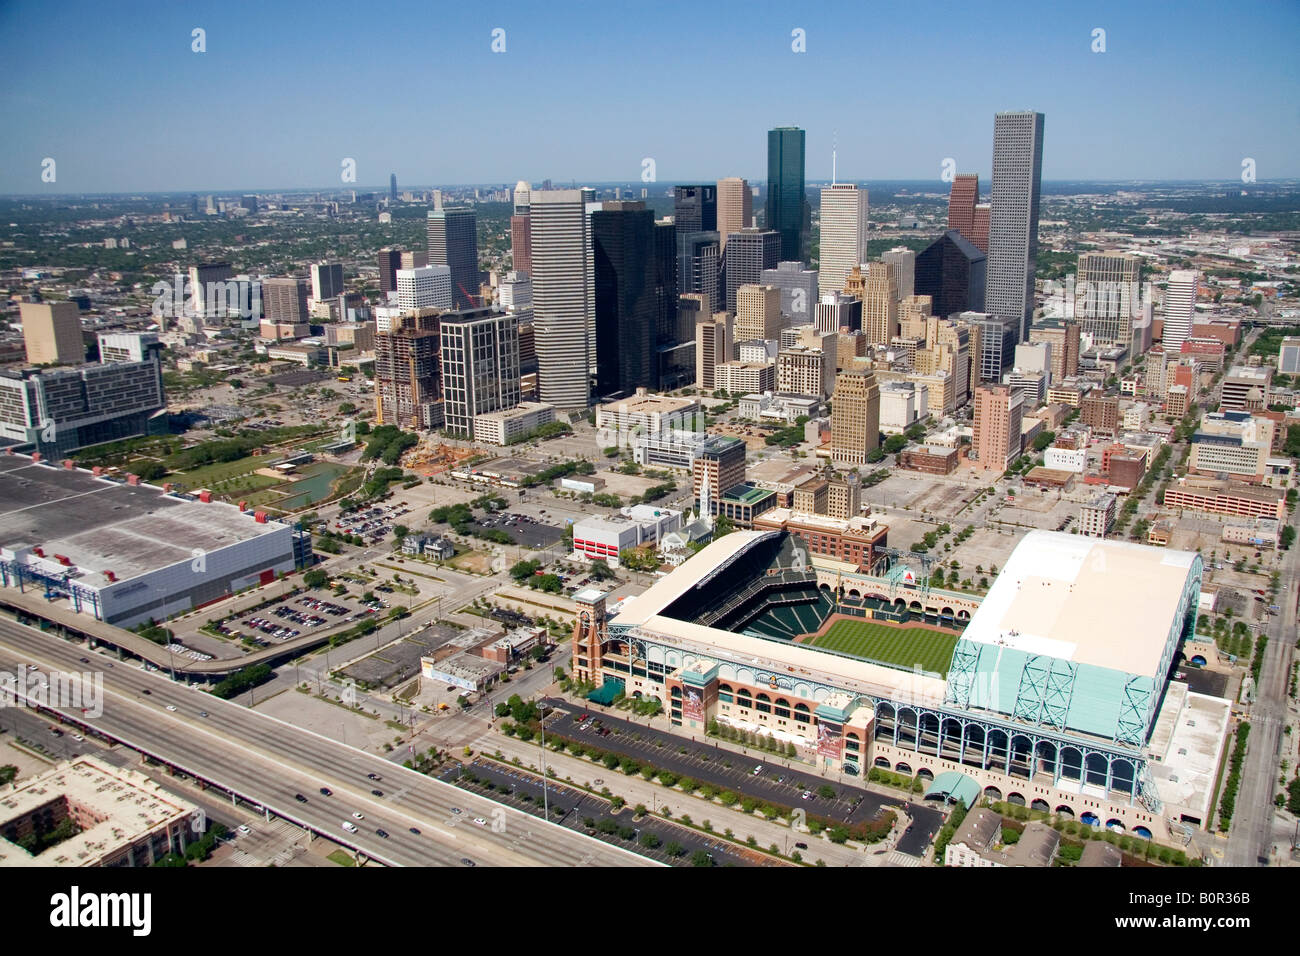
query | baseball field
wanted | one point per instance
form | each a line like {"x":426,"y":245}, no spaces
{"x":890,"y":644}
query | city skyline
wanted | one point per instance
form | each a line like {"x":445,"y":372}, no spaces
{"x":1101,"y":130}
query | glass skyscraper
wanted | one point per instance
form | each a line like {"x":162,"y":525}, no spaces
{"x":1013,"y":222}
{"x":788,"y":211}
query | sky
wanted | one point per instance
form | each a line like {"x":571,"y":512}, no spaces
{"x":586,"y":91}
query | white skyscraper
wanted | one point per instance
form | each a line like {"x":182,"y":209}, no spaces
{"x":428,"y":287}
{"x":563,"y":295}
{"x":843,"y":235}
{"x":1180,"y":307}
{"x":1013,"y":221}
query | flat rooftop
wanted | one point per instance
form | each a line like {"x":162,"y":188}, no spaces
{"x":647,"y":405}
{"x":1188,"y":738}
{"x":102,"y":525}
{"x":1105,"y":603}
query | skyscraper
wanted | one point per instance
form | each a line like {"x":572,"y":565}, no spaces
{"x":735,"y":207}
{"x":695,"y":208}
{"x":904,"y":262}
{"x":855,"y":417}
{"x":453,"y":242}
{"x":1180,"y":308}
{"x":758,"y":312}
{"x":1013,"y":223}
{"x":627,"y":306}
{"x":788,"y":211}
{"x":962,"y":198}
{"x":713,"y":336}
{"x":521,"y":236}
{"x":563,"y":297}
{"x":390,"y":260}
{"x":480,"y":365}
{"x":285,"y":300}
{"x":996,"y":438}
{"x":798,"y":290}
{"x":699,"y":265}
{"x":52,"y":333}
{"x":843,"y":234}
{"x":749,"y":252}
{"x":392,"y":187}
{"x":1106,"y":296}
{"x":407,"y":386}
{"x":953,"y":273}
{"x":880,"y":304}
{"x":326,"y":280}
{"x":428,"y":287}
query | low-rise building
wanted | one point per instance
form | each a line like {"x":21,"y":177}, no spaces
{"x":602,"y":538}
{"x":851,"y":540}
{"x":1097,"y":517}
{"x":931,"y":459}
{"x":1216,"y":496}
{"x":510,"y":424}
{"x":781,"y":407}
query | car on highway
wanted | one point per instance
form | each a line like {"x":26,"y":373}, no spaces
{"x":377,"y":793}
{"x":84,"y":660}
{"x":456,"y":810}
{"x":172,"y":708}
{"x":479,"y":821}
{"x":203,"y":713}
{"x":382,"y":834}
{"x":415,"y":830}
{"x":78,"y":738}
{"x":350,"y":827}
{"x":300,"y":798}
{"x":244,"y":828}
{"x":373,"y":776}
{"x":467,"y":861}
{"x":148,"y":691}
{"x":326,"y":791}
{"x":358,"y":815}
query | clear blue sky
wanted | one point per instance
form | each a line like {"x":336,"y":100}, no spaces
{"x":584,"y":91}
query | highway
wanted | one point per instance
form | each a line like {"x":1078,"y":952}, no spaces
{"x":269,"y":762}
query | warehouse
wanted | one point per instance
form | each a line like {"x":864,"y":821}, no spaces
{"x":126,"y":552}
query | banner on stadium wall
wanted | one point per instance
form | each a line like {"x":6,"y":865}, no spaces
{"x":830,"y":741}
{"x":693,"y":706}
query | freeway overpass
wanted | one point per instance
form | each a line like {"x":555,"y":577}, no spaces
{"x":268,"y":762}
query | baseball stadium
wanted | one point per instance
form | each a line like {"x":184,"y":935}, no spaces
{"x":1053,"y":691}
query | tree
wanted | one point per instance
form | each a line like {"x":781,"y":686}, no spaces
{"x":315,"y":578}
{"x":400,"y":531}
{"x":700,"y":858}
{"x":601,"y":571}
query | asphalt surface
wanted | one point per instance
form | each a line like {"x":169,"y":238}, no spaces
{"x":268,"y":762}
{"x":775,"y":783}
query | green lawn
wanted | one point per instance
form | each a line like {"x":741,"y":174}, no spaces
{"x":890,"y":644}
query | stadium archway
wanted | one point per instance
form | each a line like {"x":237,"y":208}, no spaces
{"x":855,"y":594}
{"x":925,"y":774}
{"x":900,"y":605}
{"x":1016,"y":799}
{"x":1045,"y":757}
{"x":1097,"y":770}
{"x":1021,"y":748}
{"x":1065,"y":810}
{"x":1121,"y":775}
{"x":963,"y":615}
{"x":1198,"y":660}
{"x":992,"y":793}
{"x":882,"y":762}
{"x":1071,"y":763}
{"x":973,"y":746}
{"x":928,"y":742}
{"x":1040,"y":805}
{"x":1143,"y":832}
{"x":903,"y":768}
{"x":1115,"y":825}
{"x":1090,"y":819}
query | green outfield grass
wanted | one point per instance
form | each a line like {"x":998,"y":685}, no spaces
{"x":891,"y":644}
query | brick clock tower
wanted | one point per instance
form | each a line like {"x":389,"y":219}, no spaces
{"x":588,"y":635}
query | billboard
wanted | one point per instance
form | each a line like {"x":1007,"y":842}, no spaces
{"x":693,"y":705}
{"x":829,"y":740}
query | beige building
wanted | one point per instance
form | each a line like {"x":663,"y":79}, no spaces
{"x":1064,"y":341}
{"x":996,"y":442}
{"x":880,"y":304}
{"x":52,"y":333}
{"x":805,"y":371}
{"x":758,"y":312}
{"x":745,"y":377}
{"x":855,"y":417}
{"x":713,"y":337}
{"x":735,"y":207}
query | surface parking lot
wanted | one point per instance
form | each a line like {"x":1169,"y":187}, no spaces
{"x":709,"y":763}
{"x":525,"y":530}
{"x":571,"y":807}
{"x":296,"y":616}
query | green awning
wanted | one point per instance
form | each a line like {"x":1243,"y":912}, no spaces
{"x":606,"y":692}
{"x":954,"y":786}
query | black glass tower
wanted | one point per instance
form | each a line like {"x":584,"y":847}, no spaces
{"x":627,"y":306}
{"x":788,"y":211}
{"x":453,"y":242}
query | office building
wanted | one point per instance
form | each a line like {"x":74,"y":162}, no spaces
{"x":798,"y":287}
{"x":997,"y":342}
{"x":627,"y":307}
{"x":453,"y":242}
{"x":953,"y":273}
{"x":1013,"y":223}
{"x":838,"y":312}
{"x":1063,"y":338}
{"x":390,"y":260}
{"x":962,"y":197}
{"x":855,"y":417}
{"x":413,"y":260}
{"x":515,"y":293}
{"x":699,"y":265}
{"x":843,"y":242}
{"x":749,"y":252}
{"x":904,"y":262}
{"x":52,"y":333}
{"x":1246,"y":388}
{"x":326,"y":280}
{"x":208,"y":285}
{"x":758,"y":312}
{"x":521,"y":229}
{"x":425,"y":288}
{"x":741,"y":378}
{"x":1288,"y":356}
{"x":880,"y":304}
{"x":996,"y":440}
{"x":1180,"y":308}
{"x":695,"y":208}
{"x":806,"y":371}
{"x":735,"y":207}
{"x":1107,"y":297}
{"x":563,"y":295}
{"x":284,"y":300}
{"x":788,"y":211}
{"x":713,"y":338}
{"x":480,"y":365}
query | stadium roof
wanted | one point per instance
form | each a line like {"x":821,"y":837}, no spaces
{"x":102,"y":525}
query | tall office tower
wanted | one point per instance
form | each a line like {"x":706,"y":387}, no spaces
{"x":962,"y":197}
{"x":480,"y":365}
{"x":843,"y":234}
{"x":758,"y":312}
{"x":1013,"y":223}
{"x":788,"y":211}
{"x":953,"y":273}
{"x":996,"y":440}
{"x":563,"y":297}
{"x":735,"y":207}
{"x":838,"y":312}
{"x":515,"y":294}
{"x":1180,"y":308}
{"x":249,"y":202}
{"x":425,"y":288}
{"x":414,"y":260}
{"x":392,"y":187}
{"x":798,"y":290}
{"x":1107,"y":295}
{"x":674,"y":332}
{"x":326,"y":280}
{"x":695,"y":208}
{"x":855,"y":417}
{"x":203,"y":278}
{"x":407,"y":385}
{"x":521,"y":233}
{"x":699,"y":265}
{"x":749,"y":252}
{"x":980,"y":231}
{"x":285,"y":300}
{"x":713,"y":337}
{"x":997,"y":343}
{"x":627,"y":307}
{"x":904,"y":262}
{"x":1063,"y":337}
{"x":52,"y":333}
{"x":453,"y":242}
{"x":880,"y":304}
{"x":390,"y":260}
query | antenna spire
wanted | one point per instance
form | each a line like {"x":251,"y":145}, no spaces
{"x":835,"y":145}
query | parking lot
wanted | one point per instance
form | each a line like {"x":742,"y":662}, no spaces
{"x":571,"y":808}
{"x":709,"y":763}
{"x":525,"y":530}
{"x":304,"y":614}
{"x":373,"y":524}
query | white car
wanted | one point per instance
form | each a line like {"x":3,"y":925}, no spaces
{"x":480,"y":821}
{"x":244,"y":828}
{"x":172,"y":708}
{"x":350,"y":827}
{"x":357,"y":815}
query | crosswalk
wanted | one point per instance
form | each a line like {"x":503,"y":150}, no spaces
{"x":270,"y":844}
{"x":896,"y":858}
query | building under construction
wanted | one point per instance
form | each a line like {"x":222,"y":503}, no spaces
{"x":408,"y":373}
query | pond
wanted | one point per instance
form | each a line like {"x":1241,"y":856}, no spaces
{"x":313,"y":486}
